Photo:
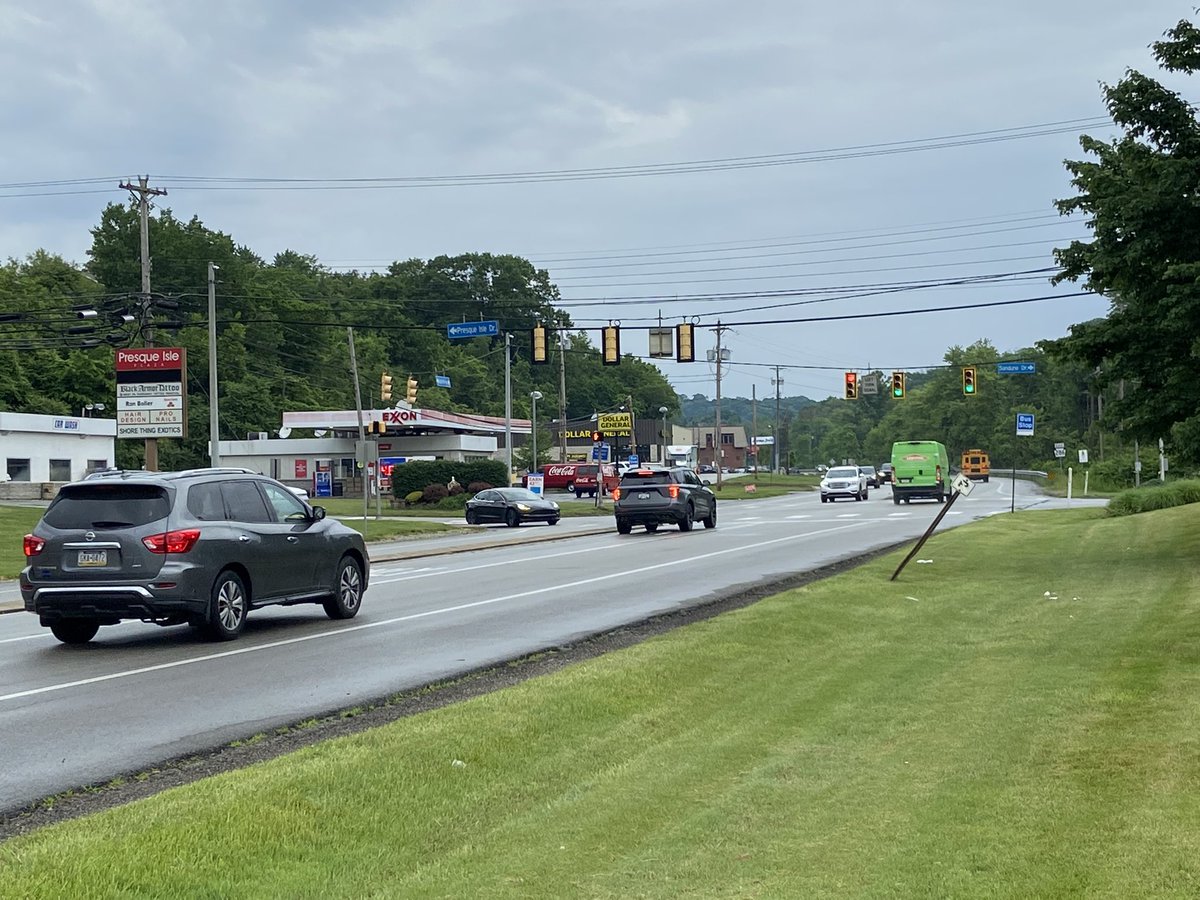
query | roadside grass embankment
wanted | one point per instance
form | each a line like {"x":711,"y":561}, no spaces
{"x":1016,"y":716}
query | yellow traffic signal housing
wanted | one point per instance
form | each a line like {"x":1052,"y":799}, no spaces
{"x":685,"y":344}
{"x":851,"y":385}
{"x":385,"y":387}
{"x":411,"y":395}
{"x":539,"y":356}
{"x":611,"y":341}
{"x":968,"y":378}
{"x":898,"y":385}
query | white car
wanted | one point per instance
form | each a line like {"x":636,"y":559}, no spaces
{"x":843,"y":481}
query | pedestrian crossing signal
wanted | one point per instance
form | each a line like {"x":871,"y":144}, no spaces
{"x":597,"y":437}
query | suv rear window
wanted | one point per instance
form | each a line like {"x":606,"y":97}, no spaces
{"x":107,"y":505}
{"x":639,"y":476}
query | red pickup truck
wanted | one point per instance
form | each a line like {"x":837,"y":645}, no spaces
{"x":580,"y":478}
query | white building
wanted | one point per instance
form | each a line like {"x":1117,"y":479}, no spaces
{"x":37,"y":450}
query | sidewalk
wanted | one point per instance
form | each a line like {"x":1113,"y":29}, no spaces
{"x":470,"y":539}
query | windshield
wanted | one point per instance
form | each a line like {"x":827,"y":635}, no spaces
{"x":842,"y":473}
{"x":519,"y":494}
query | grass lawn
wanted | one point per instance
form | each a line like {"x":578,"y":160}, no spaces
{"x":1019,"y":717}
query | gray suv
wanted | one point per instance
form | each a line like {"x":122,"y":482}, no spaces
{"x":201,"y":547}
{"x":653,"y":497}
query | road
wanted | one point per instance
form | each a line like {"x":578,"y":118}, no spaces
{"x":140,"y":694}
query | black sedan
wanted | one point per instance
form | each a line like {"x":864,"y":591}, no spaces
{"x":512,"y":506}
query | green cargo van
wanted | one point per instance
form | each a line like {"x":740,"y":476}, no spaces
{"x":920,"y":469}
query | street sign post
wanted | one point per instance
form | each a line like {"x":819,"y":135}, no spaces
{"x":1024,"y":424}
{"x":484,"y":328}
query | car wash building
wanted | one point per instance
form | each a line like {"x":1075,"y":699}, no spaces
{"x":40,"y":452}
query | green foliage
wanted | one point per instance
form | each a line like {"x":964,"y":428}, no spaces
{"x":1138,"y":193}
{"x":415,"y":475}
{"x":413,"y":496}
{"x":454,"y":501}
{"x":432,"y":493}
{"x":1158,"y":496}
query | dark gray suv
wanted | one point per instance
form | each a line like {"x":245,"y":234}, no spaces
{"x":653,"y":497}
{"x":201,"y":547}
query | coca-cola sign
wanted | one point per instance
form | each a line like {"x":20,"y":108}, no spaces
{"x":560,"y":470}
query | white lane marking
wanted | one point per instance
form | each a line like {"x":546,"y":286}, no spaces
{"x":28,"y":637}
{"x":558,"y":589}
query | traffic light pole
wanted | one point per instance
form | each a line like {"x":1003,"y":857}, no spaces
{"x":362,"y":435}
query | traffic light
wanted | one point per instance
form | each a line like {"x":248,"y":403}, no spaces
{"x":898,"y":385}
{"x":597,"y":437}
{"x":376,"y":427}
{"x":685,"y":345}
{"x":611,"y":340}
{"x":411,"y":395}
{"x":851,"y":385}
{"x":537,"y":339}
{"x":969,"y":380}
{"x":385,"y":387}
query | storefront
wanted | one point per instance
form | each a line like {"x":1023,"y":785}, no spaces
{"x":36,"y":450}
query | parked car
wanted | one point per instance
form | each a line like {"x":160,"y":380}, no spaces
{"x":843,"y":481}
{"x":672,"y":496}
{"x":512,"y":506}
{"x":202,"y":547}
{"x":872,"y":476}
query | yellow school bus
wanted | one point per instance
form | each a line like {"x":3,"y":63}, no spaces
{"x":975,"y":465}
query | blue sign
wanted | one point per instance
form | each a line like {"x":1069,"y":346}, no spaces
{"x":633,"y":460}
{"x":323,"y":483}
{"x":1015,"y":368}
{"x":1025,"y":424}
{"x":473,"y":329}
{"x":441,"y":380}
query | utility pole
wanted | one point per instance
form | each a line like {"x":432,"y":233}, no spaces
{"x":562,"y":395}
{"x":778,"y":382}
{"x":144,"y":192}
{"x":754,"y":425}
{"x":508,"y":478}
{"x":362,"y":434}
{"x":718,"y":356}
{"x":214,"y":451}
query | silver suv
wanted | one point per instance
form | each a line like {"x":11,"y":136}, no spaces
{"x":653,"y":497}
{"x":201,"y":547}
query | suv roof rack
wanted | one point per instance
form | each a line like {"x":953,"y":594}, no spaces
{"x":113,"y":472}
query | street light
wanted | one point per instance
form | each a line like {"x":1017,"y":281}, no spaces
{"x":535,"y":396}
{"x":92,"y":407}
{"x":663,"y":455}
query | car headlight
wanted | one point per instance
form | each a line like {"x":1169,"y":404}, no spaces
{"x":522,"y":507}
{"x":553,"y":505}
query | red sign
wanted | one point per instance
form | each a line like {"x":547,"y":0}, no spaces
{"x":150,"y":358}
{"x":401,"y":416}
{"x":385,"y":446}
{"x":302,"y":468}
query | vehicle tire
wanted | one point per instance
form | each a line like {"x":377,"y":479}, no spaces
{"x":985,"y":479}
{"x":896,"y":499}
{"x":512,"y":518}
{"x":623,"y":527}
{"x":347,"y":591}
{"x":554,"y":521}
{"x":710,"y":521}
{"x":227,"y":608}
{"x":74,"y":631}
{"x":592,"y":495}
{"x":470,"y":517}
{"x":570,"y":487}
{"x":578,"y":494}
{"x":858,"y":496}
{"x":824,"y":499}
{"x":651,"y":527}
{"x":685,"y":524}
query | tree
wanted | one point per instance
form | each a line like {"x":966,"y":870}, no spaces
{"x":1139,"y":195}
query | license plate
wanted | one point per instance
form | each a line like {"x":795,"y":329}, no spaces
{"x":643,"y":496}
{"x":93,"y":557}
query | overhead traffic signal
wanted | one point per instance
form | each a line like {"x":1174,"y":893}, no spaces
{"x":898,"y":385}
{"x":597,"y":437}
{"x":968,"y":375}
{"x":685,"y":345}
{"x":851,"y":385}
{"x":376,"y":427}
{"x":385,"y":387}
{"x":611,"y":345}
{"x":537,"y":339}
{"x":411,"y":394}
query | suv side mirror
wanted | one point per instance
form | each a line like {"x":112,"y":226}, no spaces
{"x":318,"y":513}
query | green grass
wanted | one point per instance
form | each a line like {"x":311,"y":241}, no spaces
{"x":15,"y":523}
{"x":1019,"y":717}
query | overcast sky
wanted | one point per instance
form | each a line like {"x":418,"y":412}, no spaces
{"x":829,"y":120}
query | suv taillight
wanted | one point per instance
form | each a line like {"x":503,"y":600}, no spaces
{"x":33,"y":545}
{"x":172,"y":541}
{"x":673,"y":490}
{"x":616,"y":494}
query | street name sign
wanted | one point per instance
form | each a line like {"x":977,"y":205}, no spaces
{"x":1016,"y":368}
{"x":485,"y":328}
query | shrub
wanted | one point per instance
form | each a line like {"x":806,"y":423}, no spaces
{"x":1159,"y":496}
{"x":476,"y":486}
{"x":433,"y":493}
{"x":414,"y":475}
{"x":454,"y":501}
{"x":455,"y":488}
{"x":413,"y":497}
